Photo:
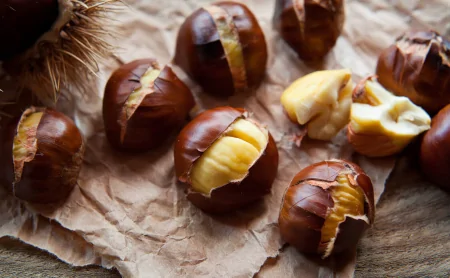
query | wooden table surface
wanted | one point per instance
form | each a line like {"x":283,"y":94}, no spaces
{"x":410,"y":238}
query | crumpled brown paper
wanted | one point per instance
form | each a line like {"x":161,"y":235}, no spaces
{"x":128,"y":211}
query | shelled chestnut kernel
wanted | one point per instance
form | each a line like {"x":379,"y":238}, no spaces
{"x":222,"y":48}
{"x":41,"y":156}
{"x":320,"y":100}
{"x":382,"y":124}
{"x":310,"y":27}
{"x":226,"y":159}
{"x":418,"y":66}
{"x":435,"y":150}
{"x":143,"y":105}
{"x":327,"y":207}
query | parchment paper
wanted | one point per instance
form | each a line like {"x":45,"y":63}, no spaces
{"x":129,"y":213}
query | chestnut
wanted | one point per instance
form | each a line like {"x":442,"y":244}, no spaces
{"x":435,"y":150}
{"x":222,"y":48}
{"x":40,"y":156}
{"x":311,"y":28}
{"x":23,"y":23}
{"x":226,"y":159}
{"x":418,"y":66}
{"x":382,"y":124}
{"x":143,"y":104}
{"x":327,"y":207}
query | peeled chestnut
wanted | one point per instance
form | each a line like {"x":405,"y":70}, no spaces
{"x":327,"y":207}
{"x":382,"y":124}
{"x":310,"y":27}
{"x":320,"y":101}
{"x":435,"y":150}
{"x":41,"y":156}
{"x":143,"y":104}
{"x":226,"y":159}
{"x":418,"y":66}
{"x":223,"y":48}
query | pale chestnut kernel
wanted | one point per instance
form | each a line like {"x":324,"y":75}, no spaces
{"x":230,"y":157}
{"x":381,"y":123}
{"x":348,"y":201}
{"x":321,"y":101}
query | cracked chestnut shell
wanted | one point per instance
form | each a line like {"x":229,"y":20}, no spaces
{"x":418,"y":66}
{"x":225,"y":159}
{"x":327,"y":207}
{"x":222,"y":48}
{"x":41,"y":156}
{"x":310,"y":27}
{"x":143,"y":105}
{"x":435,"y":150}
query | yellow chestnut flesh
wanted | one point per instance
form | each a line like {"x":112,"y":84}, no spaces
{"x":394,"y":120}
{"x":229,"y":38}
{"x":321,"y":101}
{"x":25,"y":142}
{"x":230,"y":157}
{"x":348,"y":200}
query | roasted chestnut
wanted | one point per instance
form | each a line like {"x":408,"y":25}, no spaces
{"x":226,"y":159}
{"x":435,"y":150}
{"x":223,"y":48}
{"x":321,"y":101}
{"x":41,"y":156}
{"x":382,"y":124}
{"x":327,"y":207}
{"x":310,"y":27}
{"x":143,"y":105}
{"x":418,"y":66}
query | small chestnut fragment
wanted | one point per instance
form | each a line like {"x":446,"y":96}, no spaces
{"x":418,"y":66}
{"x":320,"y":100}
{"x":310,"y":27}
{"x":41,"y":156}
{"x":143,"y":105}
{"x":435,"y":150}
{"x":222,"y":48}
{"x":327,"y":207}
{"x":226,"y":159}
{"x":382,"y":124}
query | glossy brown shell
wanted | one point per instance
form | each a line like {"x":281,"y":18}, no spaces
{"x":23,"y":23}
{"x":200,"y":54}
{"x":53,"y":173}
{"x":323,"y":22}
{"x":435,"y":150}
{"x":158,"y":116}
{"x":423,"y":76}
{"x":197,"y":137}
{"x":306,"y":203}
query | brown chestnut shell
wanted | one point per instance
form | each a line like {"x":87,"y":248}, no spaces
{"x":435,"y":150}
{"x":418,"y":66}
{"x":158,"y":115}
{"x":197,"y":137}
{"x":53,"y":172}
{"x":311,"y":28}
{"x":307,"y":201}
{"x":199,"y":51}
